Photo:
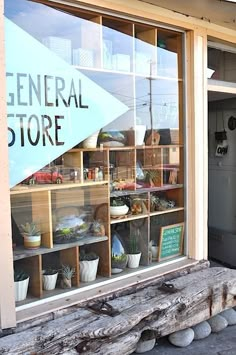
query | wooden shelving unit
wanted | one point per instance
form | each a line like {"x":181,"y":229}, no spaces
{"x":22,"y":253}
{"x":128,"y":218}
{"x":127,"y":57}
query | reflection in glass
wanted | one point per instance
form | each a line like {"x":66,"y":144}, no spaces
{"x":73,"y":39}
{"x":169,"y":49}
{"x":117,"y":45}
{"x":222,"y":64}
{"x":90,"y":90}
{"x":159,"y":98}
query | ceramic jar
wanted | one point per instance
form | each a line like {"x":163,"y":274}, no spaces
{"x":119,"y":258}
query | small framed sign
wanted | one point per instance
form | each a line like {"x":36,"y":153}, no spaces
{"x":171,"y":241}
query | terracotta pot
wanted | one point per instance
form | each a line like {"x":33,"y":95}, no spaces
{"x":65,"y":283}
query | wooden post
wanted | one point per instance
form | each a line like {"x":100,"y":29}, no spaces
{"x":201,"y":146}
{"x":197,"y":158}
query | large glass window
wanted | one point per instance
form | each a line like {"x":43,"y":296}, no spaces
{"x":95,"y":124}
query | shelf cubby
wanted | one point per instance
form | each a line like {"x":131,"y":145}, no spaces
{"x":93,"y":199}
{"x":33,"y":267}
{"x":169,"y":54}
{"x":20,"y":252}
{"x":117,"y":44}
{"x":145,"y":50}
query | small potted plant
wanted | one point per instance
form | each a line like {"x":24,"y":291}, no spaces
{"x":21,"y":283}
{"x":32,"y":235}
{"x":134,"y":253}
{"x":154,"y":250}
{"x":88,"y":266}
{"x":118,"y":207}
{"x":67,"y":272}
{"x":152,"y":178}
{"x":49,"y":279}
{"x":118,"y":263}
{"x":154,"y":202}
{"x":98,"y":228}
{"x":136,"y":206}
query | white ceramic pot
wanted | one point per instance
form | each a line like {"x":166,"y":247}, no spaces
{"x":49,"y":281}
{"x":116,"y":270}
{"x":154,"y":250}
{"x":140,"y":134}
{"x":91,"y":141}
{"x":88,"y":270}
{"x":118,"y":210}
{"x":32,"y":242}
{"x":21,"y":288}
{"x":133,"y":260}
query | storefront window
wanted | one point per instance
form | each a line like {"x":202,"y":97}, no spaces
{"x":95,"y":122}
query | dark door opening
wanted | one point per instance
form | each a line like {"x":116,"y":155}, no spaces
{"x":222,"y":178}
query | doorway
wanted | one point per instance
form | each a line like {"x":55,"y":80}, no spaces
{"x":222,"y":178}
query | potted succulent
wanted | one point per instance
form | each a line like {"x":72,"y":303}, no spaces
{"x":31,"y":234}
{"x":49,"y":279}
{"x":21,"y":283}
{"x":88,"y":266}
{"x":154,"y":201}
{"x":98,"y":228}
{"x":118,"y":263}
{"x":136,"y":205}
{"x":67,"y":272}
{"x":134,"y":253}
{"x":160,"y":203}
{"x":118,"y":207}
{"x":154,"y":250}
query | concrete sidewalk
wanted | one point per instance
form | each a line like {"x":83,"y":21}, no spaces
{"x":222,"y":343}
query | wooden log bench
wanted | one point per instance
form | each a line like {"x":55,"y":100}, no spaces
{"x":197,"y":296}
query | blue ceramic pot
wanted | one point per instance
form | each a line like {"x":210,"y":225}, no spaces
{"x":119,"y":258}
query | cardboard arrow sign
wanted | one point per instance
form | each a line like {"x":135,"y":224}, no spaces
{"x":51,"y":105}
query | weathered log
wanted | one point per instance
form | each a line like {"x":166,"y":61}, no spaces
{"x":201,"y":265}
{"x":198,"y":296}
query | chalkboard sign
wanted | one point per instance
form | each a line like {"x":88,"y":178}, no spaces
{"x":171,"y":241}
